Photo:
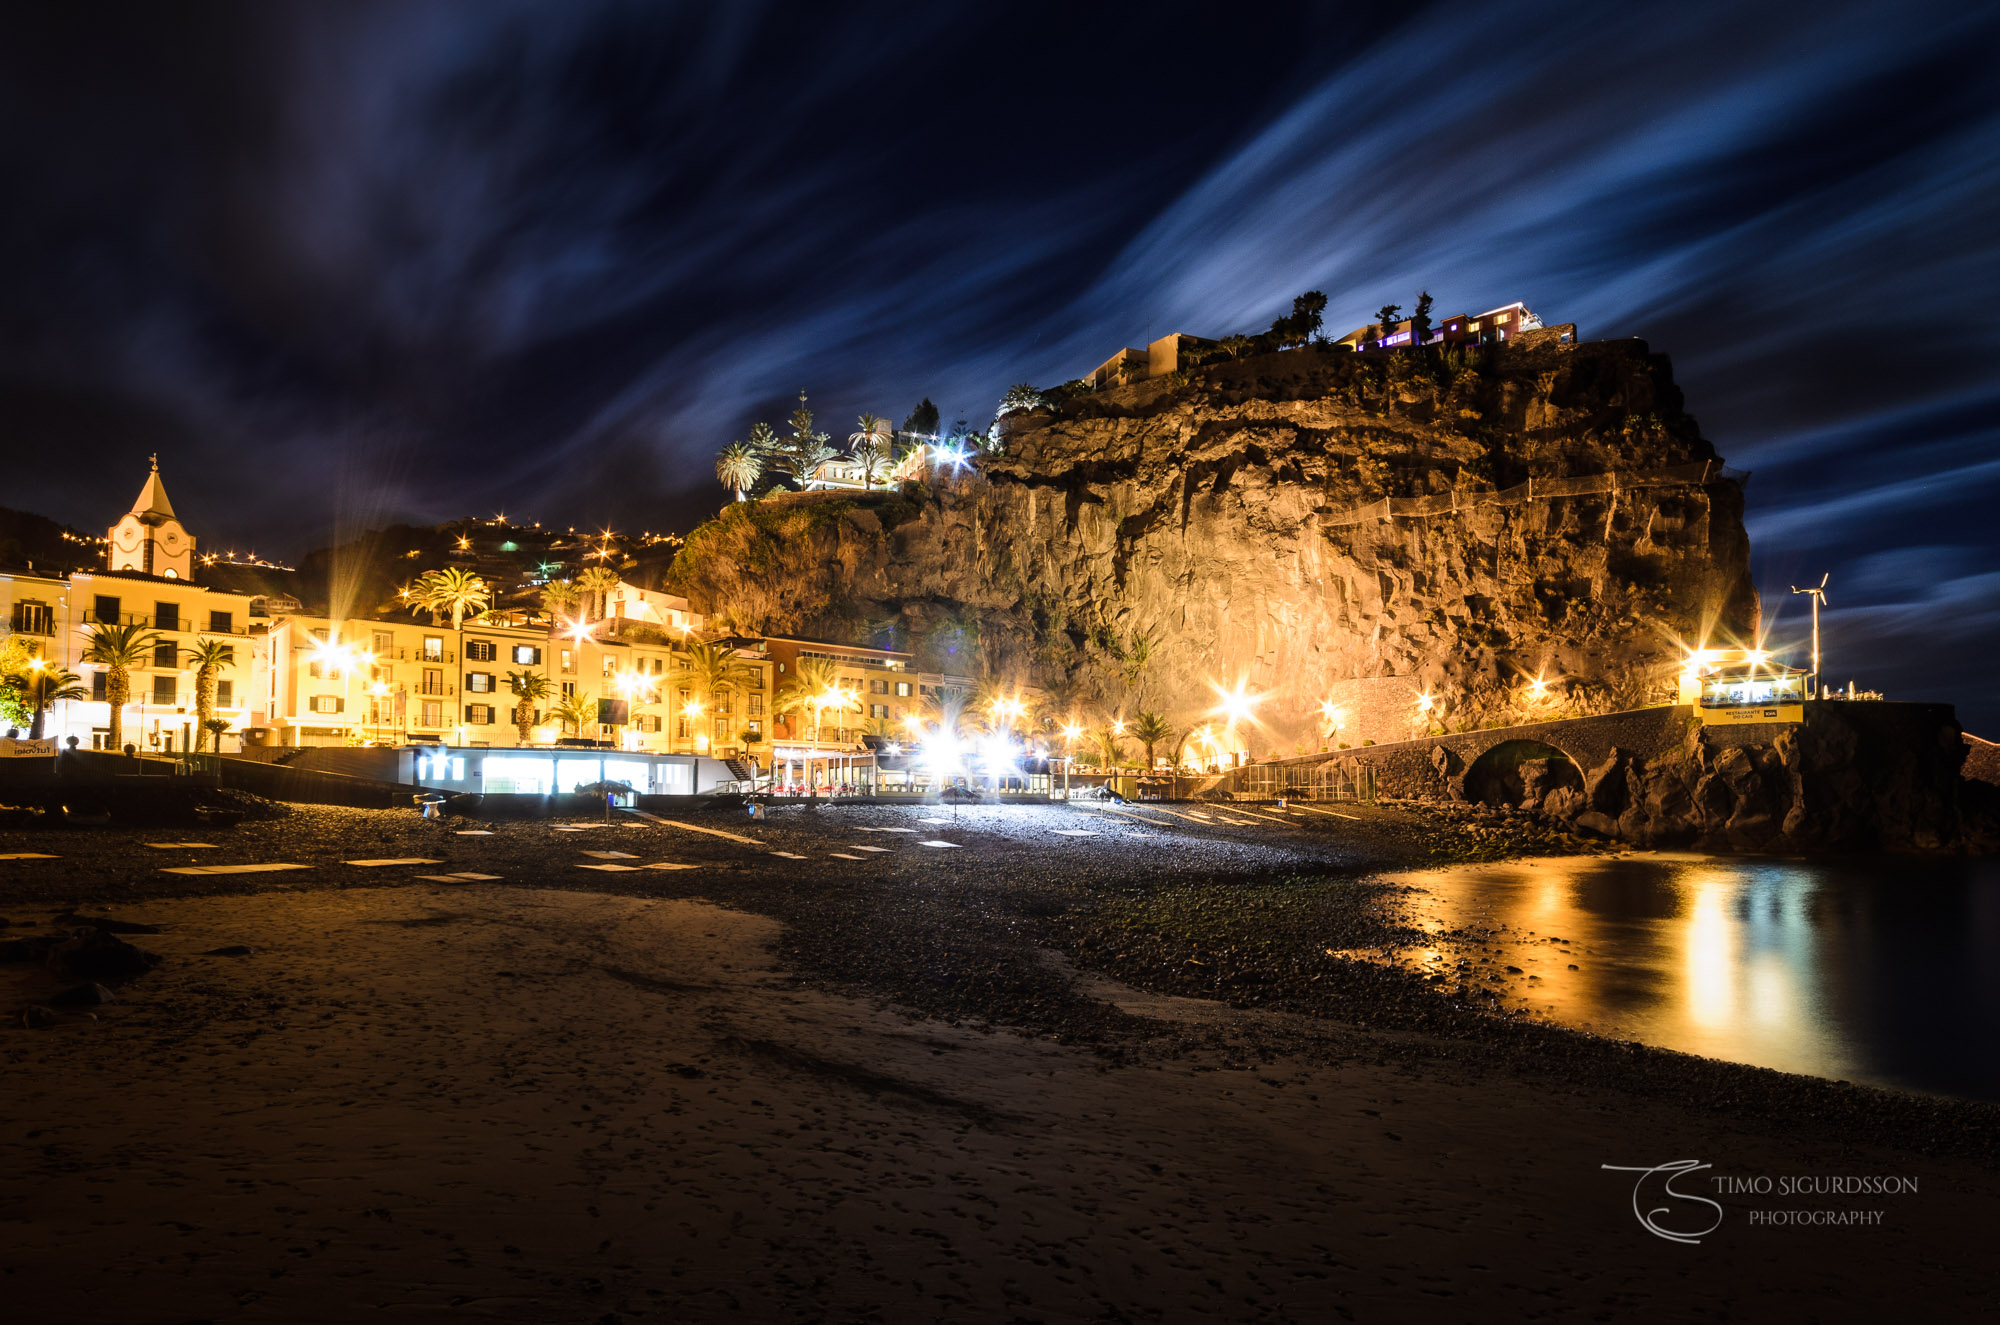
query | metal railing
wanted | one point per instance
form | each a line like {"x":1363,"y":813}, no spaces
{"x":1330,"y":780}
{"x":179,"y":624}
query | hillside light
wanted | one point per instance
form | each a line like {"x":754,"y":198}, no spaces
{"x":1425,"y":703}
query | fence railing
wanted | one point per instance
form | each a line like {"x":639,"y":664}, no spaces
{"x":1328,"y":781}
{"x":1693,"y":474}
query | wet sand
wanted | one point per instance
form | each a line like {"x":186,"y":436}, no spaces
{"x":517,"y":1102}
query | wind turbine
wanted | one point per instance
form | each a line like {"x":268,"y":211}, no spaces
{"x":1818,"y":595}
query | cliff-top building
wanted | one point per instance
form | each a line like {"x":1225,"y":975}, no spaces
{"x":1489,"y":328}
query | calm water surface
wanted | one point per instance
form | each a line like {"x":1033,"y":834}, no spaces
{"x":1871,"y":970}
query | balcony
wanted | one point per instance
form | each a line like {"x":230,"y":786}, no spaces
{"x":180,"y":625}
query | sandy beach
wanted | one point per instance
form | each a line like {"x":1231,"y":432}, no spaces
{"x":573,"y":1095}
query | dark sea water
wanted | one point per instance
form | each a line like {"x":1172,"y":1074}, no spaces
{"x":1873,"y":970}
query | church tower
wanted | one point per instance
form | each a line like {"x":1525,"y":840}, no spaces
{"x":149,"y":538}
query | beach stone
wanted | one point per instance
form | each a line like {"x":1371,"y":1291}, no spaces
{"x":37,"y":1018}
{"x":103,"y":955}
{"x":232,"y":950}
{"x":83,"y":996}
{"x":107,"y":924}
{"x":29,"y":949}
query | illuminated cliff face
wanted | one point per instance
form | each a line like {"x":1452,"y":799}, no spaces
{"x":1235,"y":526}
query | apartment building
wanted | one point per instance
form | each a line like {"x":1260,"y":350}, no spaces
{"x":151,"y":580}
{"x":401,"y":680}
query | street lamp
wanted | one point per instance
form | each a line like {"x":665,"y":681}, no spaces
{"x":1330,"y":715}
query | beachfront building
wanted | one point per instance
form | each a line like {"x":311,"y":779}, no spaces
{"x":402,"y":680}
{"x":151,"y":580}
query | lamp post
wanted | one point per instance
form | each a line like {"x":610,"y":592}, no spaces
{"x":1817,"y":593}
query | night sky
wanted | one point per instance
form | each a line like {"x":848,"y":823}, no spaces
{"x":348,"y":263}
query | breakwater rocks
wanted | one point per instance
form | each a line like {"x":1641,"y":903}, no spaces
{"x":1851,"y":777}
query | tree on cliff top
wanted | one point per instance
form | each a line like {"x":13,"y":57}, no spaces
{"x":1298,"y":327}
{"x":739,"y":467}
{"x":1420,"y":319}
{"x":1386,"y":318}
{"x":871,"y":446}
{"x":923,"y":421}
{"x":801,"y":454}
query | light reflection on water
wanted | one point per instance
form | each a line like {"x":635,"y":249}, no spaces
{"x":1884,"y":971}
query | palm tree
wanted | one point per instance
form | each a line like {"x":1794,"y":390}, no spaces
{"x":207,"y":657}
{"x":739,"y":466}
{"x":870,"y":445}
{"x":814,"y":684}
{"x":119,"y":649}
{"x":596,"y":585}
{"x":1149,"y":730}
{"x":43,"y":687}
{"x":946,"y":707}
{"x":577,"y":710}
{"x":529,"y":688}
{"x":558,"y":596}
{"x":453,"y":592}
{"x":708,"y":670}
{"x":1110,"y":748}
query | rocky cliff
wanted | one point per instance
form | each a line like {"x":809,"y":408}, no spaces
{"x":1140,"y":546}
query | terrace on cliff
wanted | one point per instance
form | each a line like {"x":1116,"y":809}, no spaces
{"x":1458,"y":524}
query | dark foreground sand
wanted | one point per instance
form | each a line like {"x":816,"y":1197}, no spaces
{"x":516,"y":1102}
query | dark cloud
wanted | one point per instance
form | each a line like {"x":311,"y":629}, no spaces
{"x":355,"y":262}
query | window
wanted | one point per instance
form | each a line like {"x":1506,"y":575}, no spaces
{"x":527,"y":655}
{"x":569,"y":687}
{"x":221,"y":623}
{"x":34,"y":619}
{"x":225,"y":694}
{"x":382,"y":644}
{"x":328,"y":704}
{"x":781,"y":669}
{"x":756,"y":726}
{"x":433,"y":683}
{"x":756,"y":706}
{"x":479,"y":683}
{"x":479,"y":650}
{"x":166,"y":655}
{"x":166,"y":616}
{"x":568,"y":663}
{"x":229,"y":655}
{"x":105,"y":609}
{"x":903,"y":689}
{"x":878,"y":710}
{"x":433,"y":714}
{"x":433,"y":648}
{"x":479,"y":715}
{"x":610,"y":667}
{"x":97,"y":683}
